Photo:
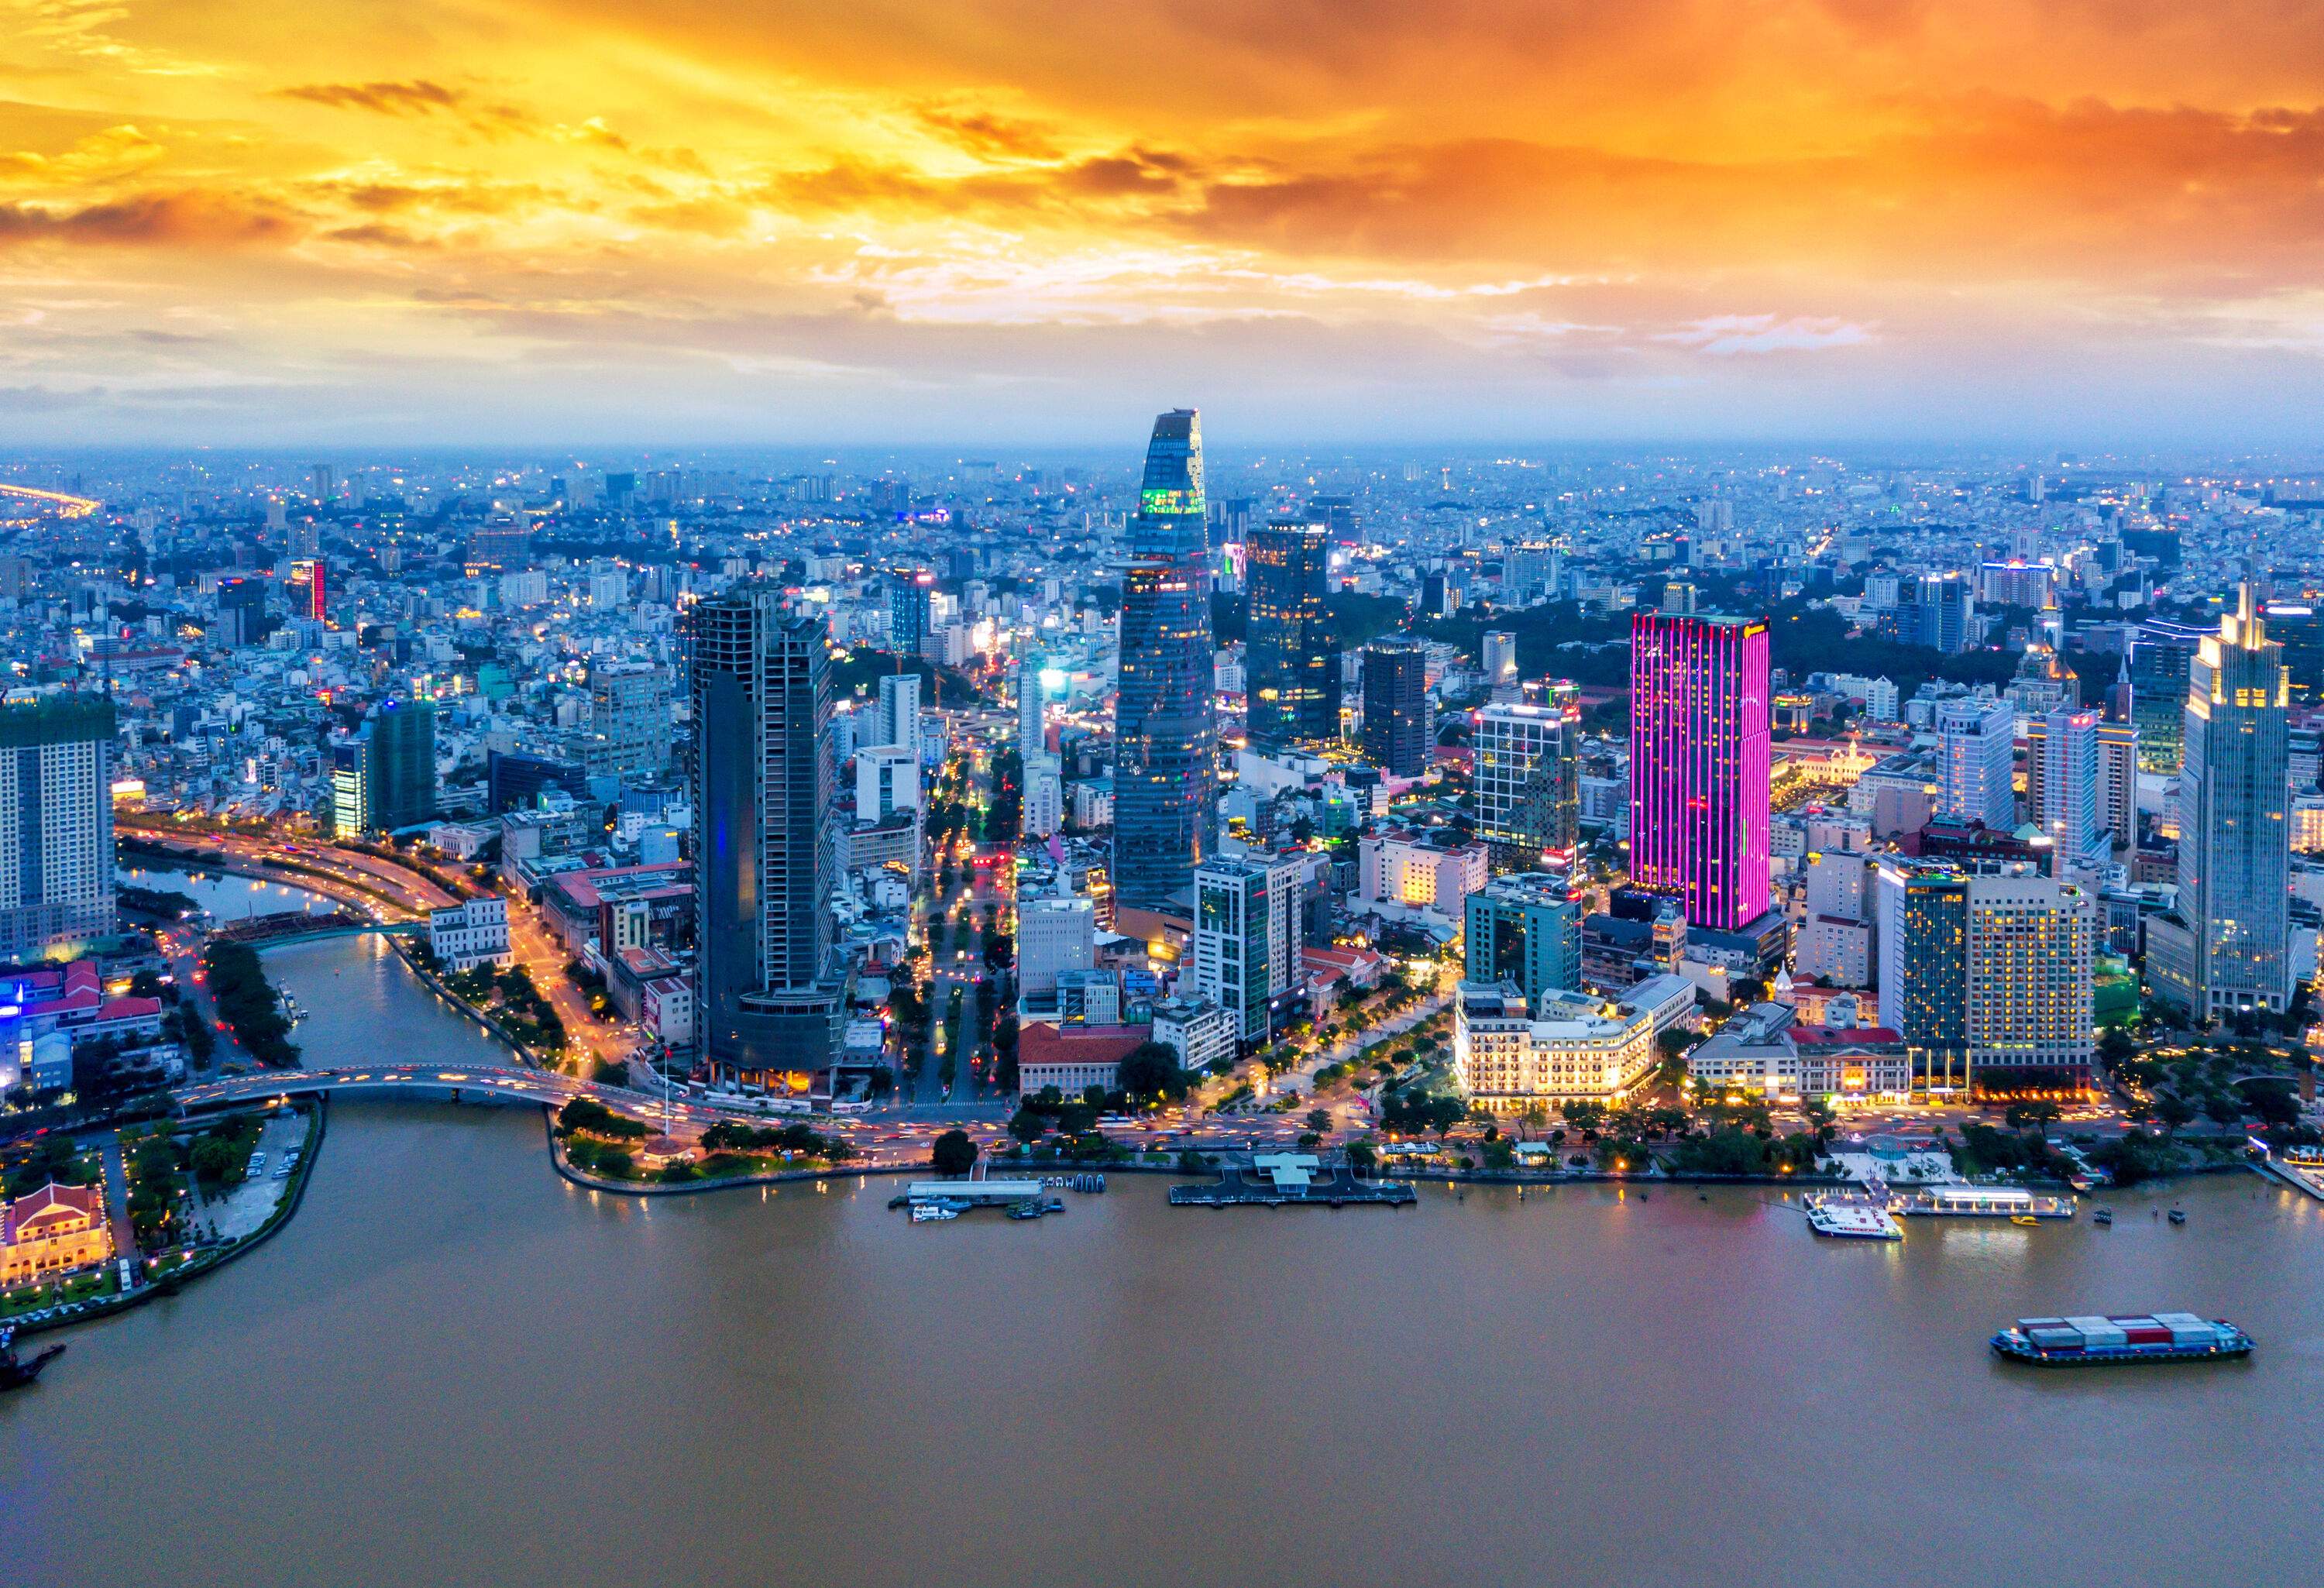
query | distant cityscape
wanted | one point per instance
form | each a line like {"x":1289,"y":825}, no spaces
{"x":1661,"y":800}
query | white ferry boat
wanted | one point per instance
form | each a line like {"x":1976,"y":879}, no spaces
{"x":1853,"y":1221}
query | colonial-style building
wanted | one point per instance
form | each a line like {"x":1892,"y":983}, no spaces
{"x":50,"y":1231}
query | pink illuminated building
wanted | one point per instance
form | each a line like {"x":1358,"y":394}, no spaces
{"x":1699,"y":763}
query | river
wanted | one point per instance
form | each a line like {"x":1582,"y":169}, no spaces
{"x":455,"y":1368}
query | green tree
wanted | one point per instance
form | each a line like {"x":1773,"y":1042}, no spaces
{"x":1149,"y":1072}
{"x":220,"y":1161}
{"x":1319,"y":1119}
{"x":954,"y":1153}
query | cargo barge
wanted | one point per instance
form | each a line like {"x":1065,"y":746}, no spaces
{"x":2093,"y":1342}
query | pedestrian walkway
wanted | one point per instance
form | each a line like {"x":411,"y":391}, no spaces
{"x":116,"y":1198}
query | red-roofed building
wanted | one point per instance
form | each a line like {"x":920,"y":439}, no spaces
{"x":71,"y":999}
{"x":621,"y":906}
{"x":52,"y":1231}
{"x":1072,"y":1058}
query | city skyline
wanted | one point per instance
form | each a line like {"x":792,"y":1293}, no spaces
{"x":577,"y":222}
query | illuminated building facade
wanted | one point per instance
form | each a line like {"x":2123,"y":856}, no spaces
{"x":768,"y":1010}
{"x":2162,"y":659}
{"x":56,"y":823}
{"x":909,"y":593}
{"x":1987,"y":979}
{"x":1166,"y":726}
{"x":2225,"y":946}
{"x":309,"y":586}
{"x":1396,"y":706}
{"x":1700,"y":751}
{"x":1527,"y":781}
{"x":1294,"y":680}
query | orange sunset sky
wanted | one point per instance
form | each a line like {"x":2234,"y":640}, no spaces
{"x":2084,"y":222}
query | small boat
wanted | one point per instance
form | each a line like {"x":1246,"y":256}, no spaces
{"x":2177,"y":1215}
{"x":930,"y":1212}
{"x":2104,"y":1216}
{"x":2023,"y":1218}
{"x":1853,"y":1221}
{"x":15,"y":1373}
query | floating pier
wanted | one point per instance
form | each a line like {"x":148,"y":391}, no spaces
{"x":1293,"y":1185}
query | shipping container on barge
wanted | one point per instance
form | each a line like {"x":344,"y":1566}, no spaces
{"x":2092,"y":1340}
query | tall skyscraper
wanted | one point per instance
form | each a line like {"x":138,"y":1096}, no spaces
{"x":2072,"y":811}
{"x":1166,"y":726}
{"x":350,"y":785}
{"x":242,"y":610}
{"x":399,"y":765}
{"x":1987,"y":979}
{"x":1923,"y":915}
{"x":2226,"y":946}
{"x":767,"y":1007}
{"x":1528,"y":784}
{"x":56,"y":823}
{"x":1294,"y":680}
{"x":910,"y":590}
{"x":1396,"y":706}
{"x":1974,"y":756}
{"x":2161,"y":660}
{"x":2115,"y":747}
{"x":898,"y":713}
{"x":628,"y":721}
{"x":1700,"y":764}
{"x":1946,"y":614}
{"x":1032,"y":709}
{"x":1245,"y":945}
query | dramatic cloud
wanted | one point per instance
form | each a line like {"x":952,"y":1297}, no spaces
{"x":1426,"y":217}
{"x":416,"y":98}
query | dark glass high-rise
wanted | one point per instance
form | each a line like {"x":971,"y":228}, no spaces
{"x":768,"y":1005}
{"x":1166,"y":726}
{"x":1292,"y":677}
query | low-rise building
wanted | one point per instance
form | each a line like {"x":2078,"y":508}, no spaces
{"x":1569,"y":1049}
{"x":1197,"y":1031}
{"x":1419,"y":871}
{"x":464,"y":936}
{"x":52,"y":1231}
{"x":1072,"y":1058}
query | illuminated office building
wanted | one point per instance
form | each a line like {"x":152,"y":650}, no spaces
{"x":1166,"y":726}
{"x":1700,"y":752}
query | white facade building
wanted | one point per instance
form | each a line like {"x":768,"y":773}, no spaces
{"x":1399,"y":868}
{"x":1245,"y":945}
{"x":1976,"y":751}
{"x":1053,"y":936}
{"x":468,"y":935}
{"x":1199,"y":1031}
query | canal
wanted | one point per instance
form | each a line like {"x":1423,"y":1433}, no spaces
{"x":455,"y":1368}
